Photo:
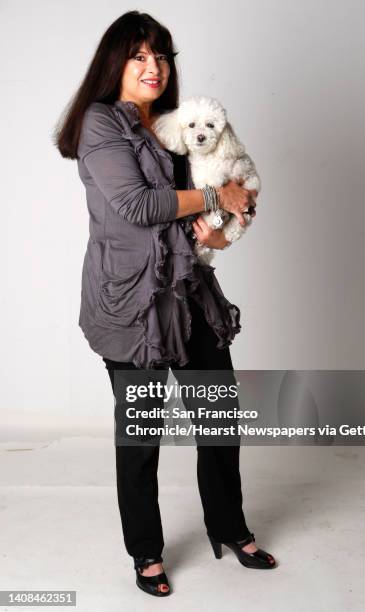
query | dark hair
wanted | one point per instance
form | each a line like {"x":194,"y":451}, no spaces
{"x":102,"y":80}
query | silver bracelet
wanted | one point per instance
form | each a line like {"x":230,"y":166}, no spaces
{"x":211,"y":198}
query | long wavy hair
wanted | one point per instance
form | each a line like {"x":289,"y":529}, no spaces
{"x":101,"y":83}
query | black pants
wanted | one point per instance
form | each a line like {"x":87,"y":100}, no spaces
{"x":218,"y":472}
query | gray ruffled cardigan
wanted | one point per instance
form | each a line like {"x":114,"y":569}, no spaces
{"x":140,"y":265}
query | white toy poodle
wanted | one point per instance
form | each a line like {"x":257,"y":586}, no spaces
{"x":200,"y":128}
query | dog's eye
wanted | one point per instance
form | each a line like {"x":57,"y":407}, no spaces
{"x":191,"y":125}
{"x":210,"y":125}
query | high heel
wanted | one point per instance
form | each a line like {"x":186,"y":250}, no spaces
{"x":150,"y":584}
{"x":256,"y":560}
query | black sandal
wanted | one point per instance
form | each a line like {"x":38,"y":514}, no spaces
{"x":150,"y":584}
{"x":256,"y":560}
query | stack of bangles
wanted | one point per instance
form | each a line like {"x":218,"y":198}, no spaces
{"x":212,"y":200}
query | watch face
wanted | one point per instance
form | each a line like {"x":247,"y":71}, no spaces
{"x":218,"y":222}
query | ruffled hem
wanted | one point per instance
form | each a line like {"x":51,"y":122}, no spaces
{"x":181,"y":274}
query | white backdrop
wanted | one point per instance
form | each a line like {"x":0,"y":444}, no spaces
{"x":291,"y":75}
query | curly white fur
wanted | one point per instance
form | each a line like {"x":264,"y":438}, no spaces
{"x":200,"y":128}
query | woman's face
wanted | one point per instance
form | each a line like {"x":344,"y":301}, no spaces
{"x":145,"y":76}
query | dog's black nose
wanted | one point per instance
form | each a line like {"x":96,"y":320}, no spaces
{"x":201,"y":137}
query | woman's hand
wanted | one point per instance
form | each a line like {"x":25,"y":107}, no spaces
{"x":234,"y":198}
{"x":212,"y":238}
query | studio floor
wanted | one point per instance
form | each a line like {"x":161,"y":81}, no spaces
{"x":61,"y":528}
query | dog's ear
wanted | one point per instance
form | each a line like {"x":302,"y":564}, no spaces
{"x":168,"y":130}
{"x":228,"y":144}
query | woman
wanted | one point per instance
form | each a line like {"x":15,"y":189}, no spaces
{"x":147,"y":303}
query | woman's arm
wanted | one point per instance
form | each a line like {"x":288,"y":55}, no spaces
{"x":113,"y":164}
{"x":190,"y":201}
